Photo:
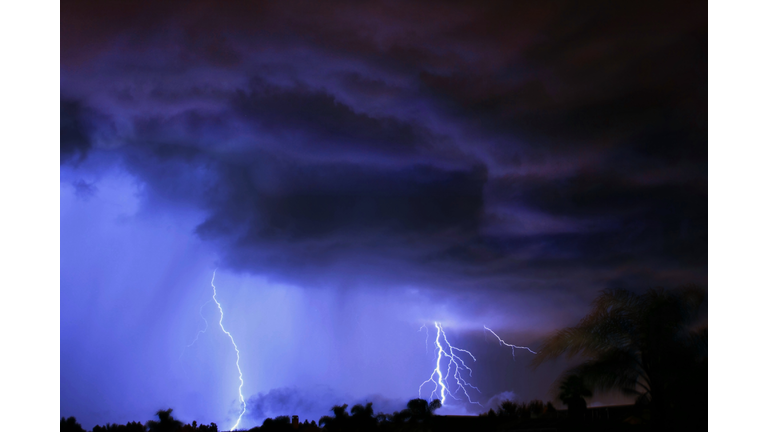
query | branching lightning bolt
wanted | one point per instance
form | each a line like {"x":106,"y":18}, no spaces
{"x":453,"y":361}
{"x":501,"y":341}
{"x":240,"y":389}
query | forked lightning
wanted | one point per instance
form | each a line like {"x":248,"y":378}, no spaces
{"x":453,"y":361}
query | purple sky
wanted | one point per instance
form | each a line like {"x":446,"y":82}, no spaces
{"x":355,"y":172}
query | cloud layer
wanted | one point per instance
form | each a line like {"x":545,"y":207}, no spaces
{"x":498,"y":140}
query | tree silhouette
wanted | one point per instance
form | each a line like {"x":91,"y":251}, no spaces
{"x":135,"y":427}
{"x":363,"y":418}
{"x":509,"y":410}
{"x":536,"y":408}
{"x":208,"y":428}
{"x":71,"y":425}
{"x":642,"y":344}
{"x":339,"y":421}
{"x":549,"y":411}
{"x":278,"y":424}
{"x":572,"y":393}
{"x":166,"y":424}
{"x":419,"y":411}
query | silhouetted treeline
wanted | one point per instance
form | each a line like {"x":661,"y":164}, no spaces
{"x":285,"y":424}
{"x":419,"y":416}
{"x":509,"y":410}
{"x":128,"y":427}
{"x":166,"y":423}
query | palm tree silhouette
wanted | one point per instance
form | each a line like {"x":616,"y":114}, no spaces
{"x":572,"y":393}
{"x":166,"y":424}
{"x":363,"y":418}
{"x":642,"y":344}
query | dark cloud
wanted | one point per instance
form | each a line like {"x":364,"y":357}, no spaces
{"x":626,"y":82}
{"x":322,"y":124}
{"x":325,"y":200}
{"x":498,"y":144}
{"x":654,"y":220}
{"x":74,"y":140}
{"x":282,"y":217}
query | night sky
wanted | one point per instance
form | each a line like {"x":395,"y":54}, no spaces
{"x":356,"y":171}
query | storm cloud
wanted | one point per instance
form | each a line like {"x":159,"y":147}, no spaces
{"x":576,"y":139}
{"x":504,"y":150}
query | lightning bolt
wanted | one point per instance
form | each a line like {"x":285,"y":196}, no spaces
{"x":240,"y":389}
{"x":453,"y":361}
{"x":501,"y":341}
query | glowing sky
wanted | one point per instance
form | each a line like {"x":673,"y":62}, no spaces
{"x":356,"y":172}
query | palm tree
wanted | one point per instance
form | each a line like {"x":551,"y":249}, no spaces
{"x":363,"y":418}
{"x":572,"y":393}
{"x":642,"y":344}
{"x":420,"y":410}
{"x":166,"y":424}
